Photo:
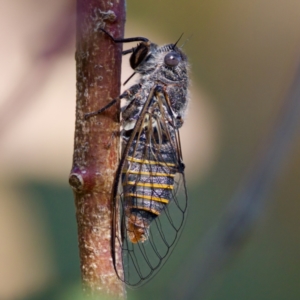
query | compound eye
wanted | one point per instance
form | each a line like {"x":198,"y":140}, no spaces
{"x":172,"y":59}
{"x":139,"y":54}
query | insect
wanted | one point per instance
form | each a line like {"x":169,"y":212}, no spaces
{"x":150,"y":207}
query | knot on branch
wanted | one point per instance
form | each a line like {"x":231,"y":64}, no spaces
{"x":100,"y":17}
{"x":80,"y":180}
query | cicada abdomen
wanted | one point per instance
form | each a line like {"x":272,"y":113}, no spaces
{"x":148,"y":183}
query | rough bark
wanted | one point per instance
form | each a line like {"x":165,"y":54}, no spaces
{"x":96,"y":153}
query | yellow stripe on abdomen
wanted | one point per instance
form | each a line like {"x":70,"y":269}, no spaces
{"x":149,"y":173}
{"x":154,"y":211}
{"x":157,"y":199}
{"x":149,"y":162}
{"x":150,"y":184}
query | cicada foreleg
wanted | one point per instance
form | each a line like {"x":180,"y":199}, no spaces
{"x":125,"y":95}
{"x":127,"y":40}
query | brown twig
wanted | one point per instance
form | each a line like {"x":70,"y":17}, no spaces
{"x":98,"y":62}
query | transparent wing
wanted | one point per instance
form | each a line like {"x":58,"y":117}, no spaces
{"x":152,"y":201}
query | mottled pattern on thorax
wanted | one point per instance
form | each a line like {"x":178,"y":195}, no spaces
{"x":155,"y":72}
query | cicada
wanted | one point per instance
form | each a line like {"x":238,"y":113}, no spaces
{"x":149,"y":194}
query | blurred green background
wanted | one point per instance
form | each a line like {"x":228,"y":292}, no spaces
{"x":243,"y":56}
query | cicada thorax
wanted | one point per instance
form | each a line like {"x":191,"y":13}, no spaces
{"x":148,"y":183}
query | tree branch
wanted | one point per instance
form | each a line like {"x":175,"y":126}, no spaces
{"x":98,"y":67}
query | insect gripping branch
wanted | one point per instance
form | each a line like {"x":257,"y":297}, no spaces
{"x":148,"y":194}
{"x":149,"y":209}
